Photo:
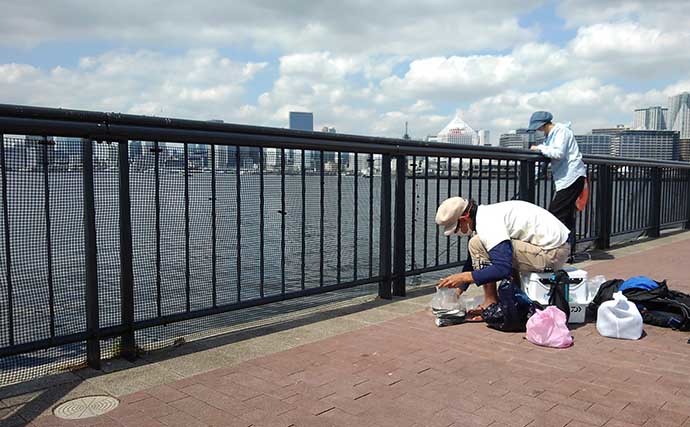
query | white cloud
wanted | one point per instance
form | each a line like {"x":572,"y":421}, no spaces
{"x":467,"y":78}
{"x":192,"y":84}
{"x":400,"y":27}
{"x":632,"y":50}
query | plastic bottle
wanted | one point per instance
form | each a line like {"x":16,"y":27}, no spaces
{"x":593,"y":285}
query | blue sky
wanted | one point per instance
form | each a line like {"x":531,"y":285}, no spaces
{"x":362,"y":68}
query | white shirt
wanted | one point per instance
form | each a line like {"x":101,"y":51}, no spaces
{"x":519,"y":220}
{"x":566,"y":161}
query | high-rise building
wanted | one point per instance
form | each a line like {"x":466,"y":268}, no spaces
{"x":645,"y":144}
{"x":651,"y":118}
{"x":458,"y":132}
{"x":679,"y":114}
{"x":484,"y":137}
{"x":599,"y":144}
{"x":520,"y":138}
{"x":301,"y":121}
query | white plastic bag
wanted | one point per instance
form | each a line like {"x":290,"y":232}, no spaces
{"x":619,"y":318}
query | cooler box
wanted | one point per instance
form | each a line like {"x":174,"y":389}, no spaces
{"x":578,"y":297}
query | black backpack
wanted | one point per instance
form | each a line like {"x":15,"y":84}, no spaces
{"x":662,"y":306}
{"x":605,"y":293}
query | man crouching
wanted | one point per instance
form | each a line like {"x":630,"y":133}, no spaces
{"x":513,"y":235}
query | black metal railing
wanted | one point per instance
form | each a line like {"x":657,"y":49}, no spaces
{"x":116,"y":225}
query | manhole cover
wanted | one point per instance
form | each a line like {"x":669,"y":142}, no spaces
{"x":85,"y":407}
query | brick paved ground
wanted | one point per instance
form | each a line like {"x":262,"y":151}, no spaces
{"x":407,"y":372}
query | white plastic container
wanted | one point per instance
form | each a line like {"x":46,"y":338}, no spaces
{"x":532,"y":284}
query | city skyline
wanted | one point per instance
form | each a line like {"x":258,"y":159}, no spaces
{"x":492,"y":62}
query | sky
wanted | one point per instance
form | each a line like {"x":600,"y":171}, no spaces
{"x":363,"y":67}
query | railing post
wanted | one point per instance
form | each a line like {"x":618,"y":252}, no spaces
{"x":527,"y":181}
{"x":655,"y":208}
{"x":603,"y":206}
{"x":128,"y":349}
{"x":385,"y":229}
{"x":399,"y":227}
{"x":687,"y":192}
{"x":93,"y":347}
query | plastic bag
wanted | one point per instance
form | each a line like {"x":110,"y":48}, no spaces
{"x":581,"y":202}
{"x":619,"y":318}
{"x":445,"y":299}
{"x":548,"y":328}
{"x":447,"y":307}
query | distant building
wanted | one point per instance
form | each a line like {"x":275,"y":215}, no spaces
{"x":645,"y":144}
{"x":684,"y":150}
{"x":651,"y":118}
{"x":520,"y":138}
{"x":679,"y":114}
{"x":599,"y":144}
{"x":302,"y":121}
{"x":484,"y":137}
{"x":458,"y":132}
{"x":610,"y":131}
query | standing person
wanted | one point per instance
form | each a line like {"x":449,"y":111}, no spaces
{"x":567,"y":168}
{"x":513,"y":235}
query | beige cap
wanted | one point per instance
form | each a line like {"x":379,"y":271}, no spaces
{"x":448,"y":213}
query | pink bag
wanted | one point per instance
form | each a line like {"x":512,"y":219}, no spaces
{"x":548,"y":328}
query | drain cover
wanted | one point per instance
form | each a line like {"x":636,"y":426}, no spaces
{"x":85,"y":407}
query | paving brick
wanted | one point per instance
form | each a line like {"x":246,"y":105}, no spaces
{"x":138,"y":421}
{"x":217,"y":400}
{"x":165,"y":393}
{"x":152,"y":407}
{"x":181,"y":419}
{"x":561,"y":399}
{"x":680,"y":407}
{"x":579,"y":415}
{"x":514,"y":419}
{"x":545,"y":419}
{"x":636,"y":413}
{"x":202,"y":411}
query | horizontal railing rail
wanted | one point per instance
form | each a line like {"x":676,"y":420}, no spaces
{"x":116,"y":225}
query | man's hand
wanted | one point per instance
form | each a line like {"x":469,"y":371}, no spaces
{"x":456,"y":280}
{"x":534,"y":148}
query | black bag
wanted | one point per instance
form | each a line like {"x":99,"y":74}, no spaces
{"x":558,"y":295}
{"x":511,"y":312}
{"x":662,"y":306}
{"x":605,"y":293}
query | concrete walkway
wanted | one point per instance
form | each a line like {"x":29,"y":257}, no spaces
{"x":390,"y":366}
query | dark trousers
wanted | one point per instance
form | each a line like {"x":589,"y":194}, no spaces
{"x":563,"y":204}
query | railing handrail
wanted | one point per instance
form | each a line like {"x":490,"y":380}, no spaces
{"x":118,"y":126}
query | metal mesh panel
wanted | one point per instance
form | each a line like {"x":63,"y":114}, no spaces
{"x":143,"y":178}
{"x":106,"y":201}
{"x":29,"y":267}
{"x":67,"y":237}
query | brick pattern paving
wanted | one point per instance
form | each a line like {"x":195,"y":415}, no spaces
{"x":408,"y":372}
